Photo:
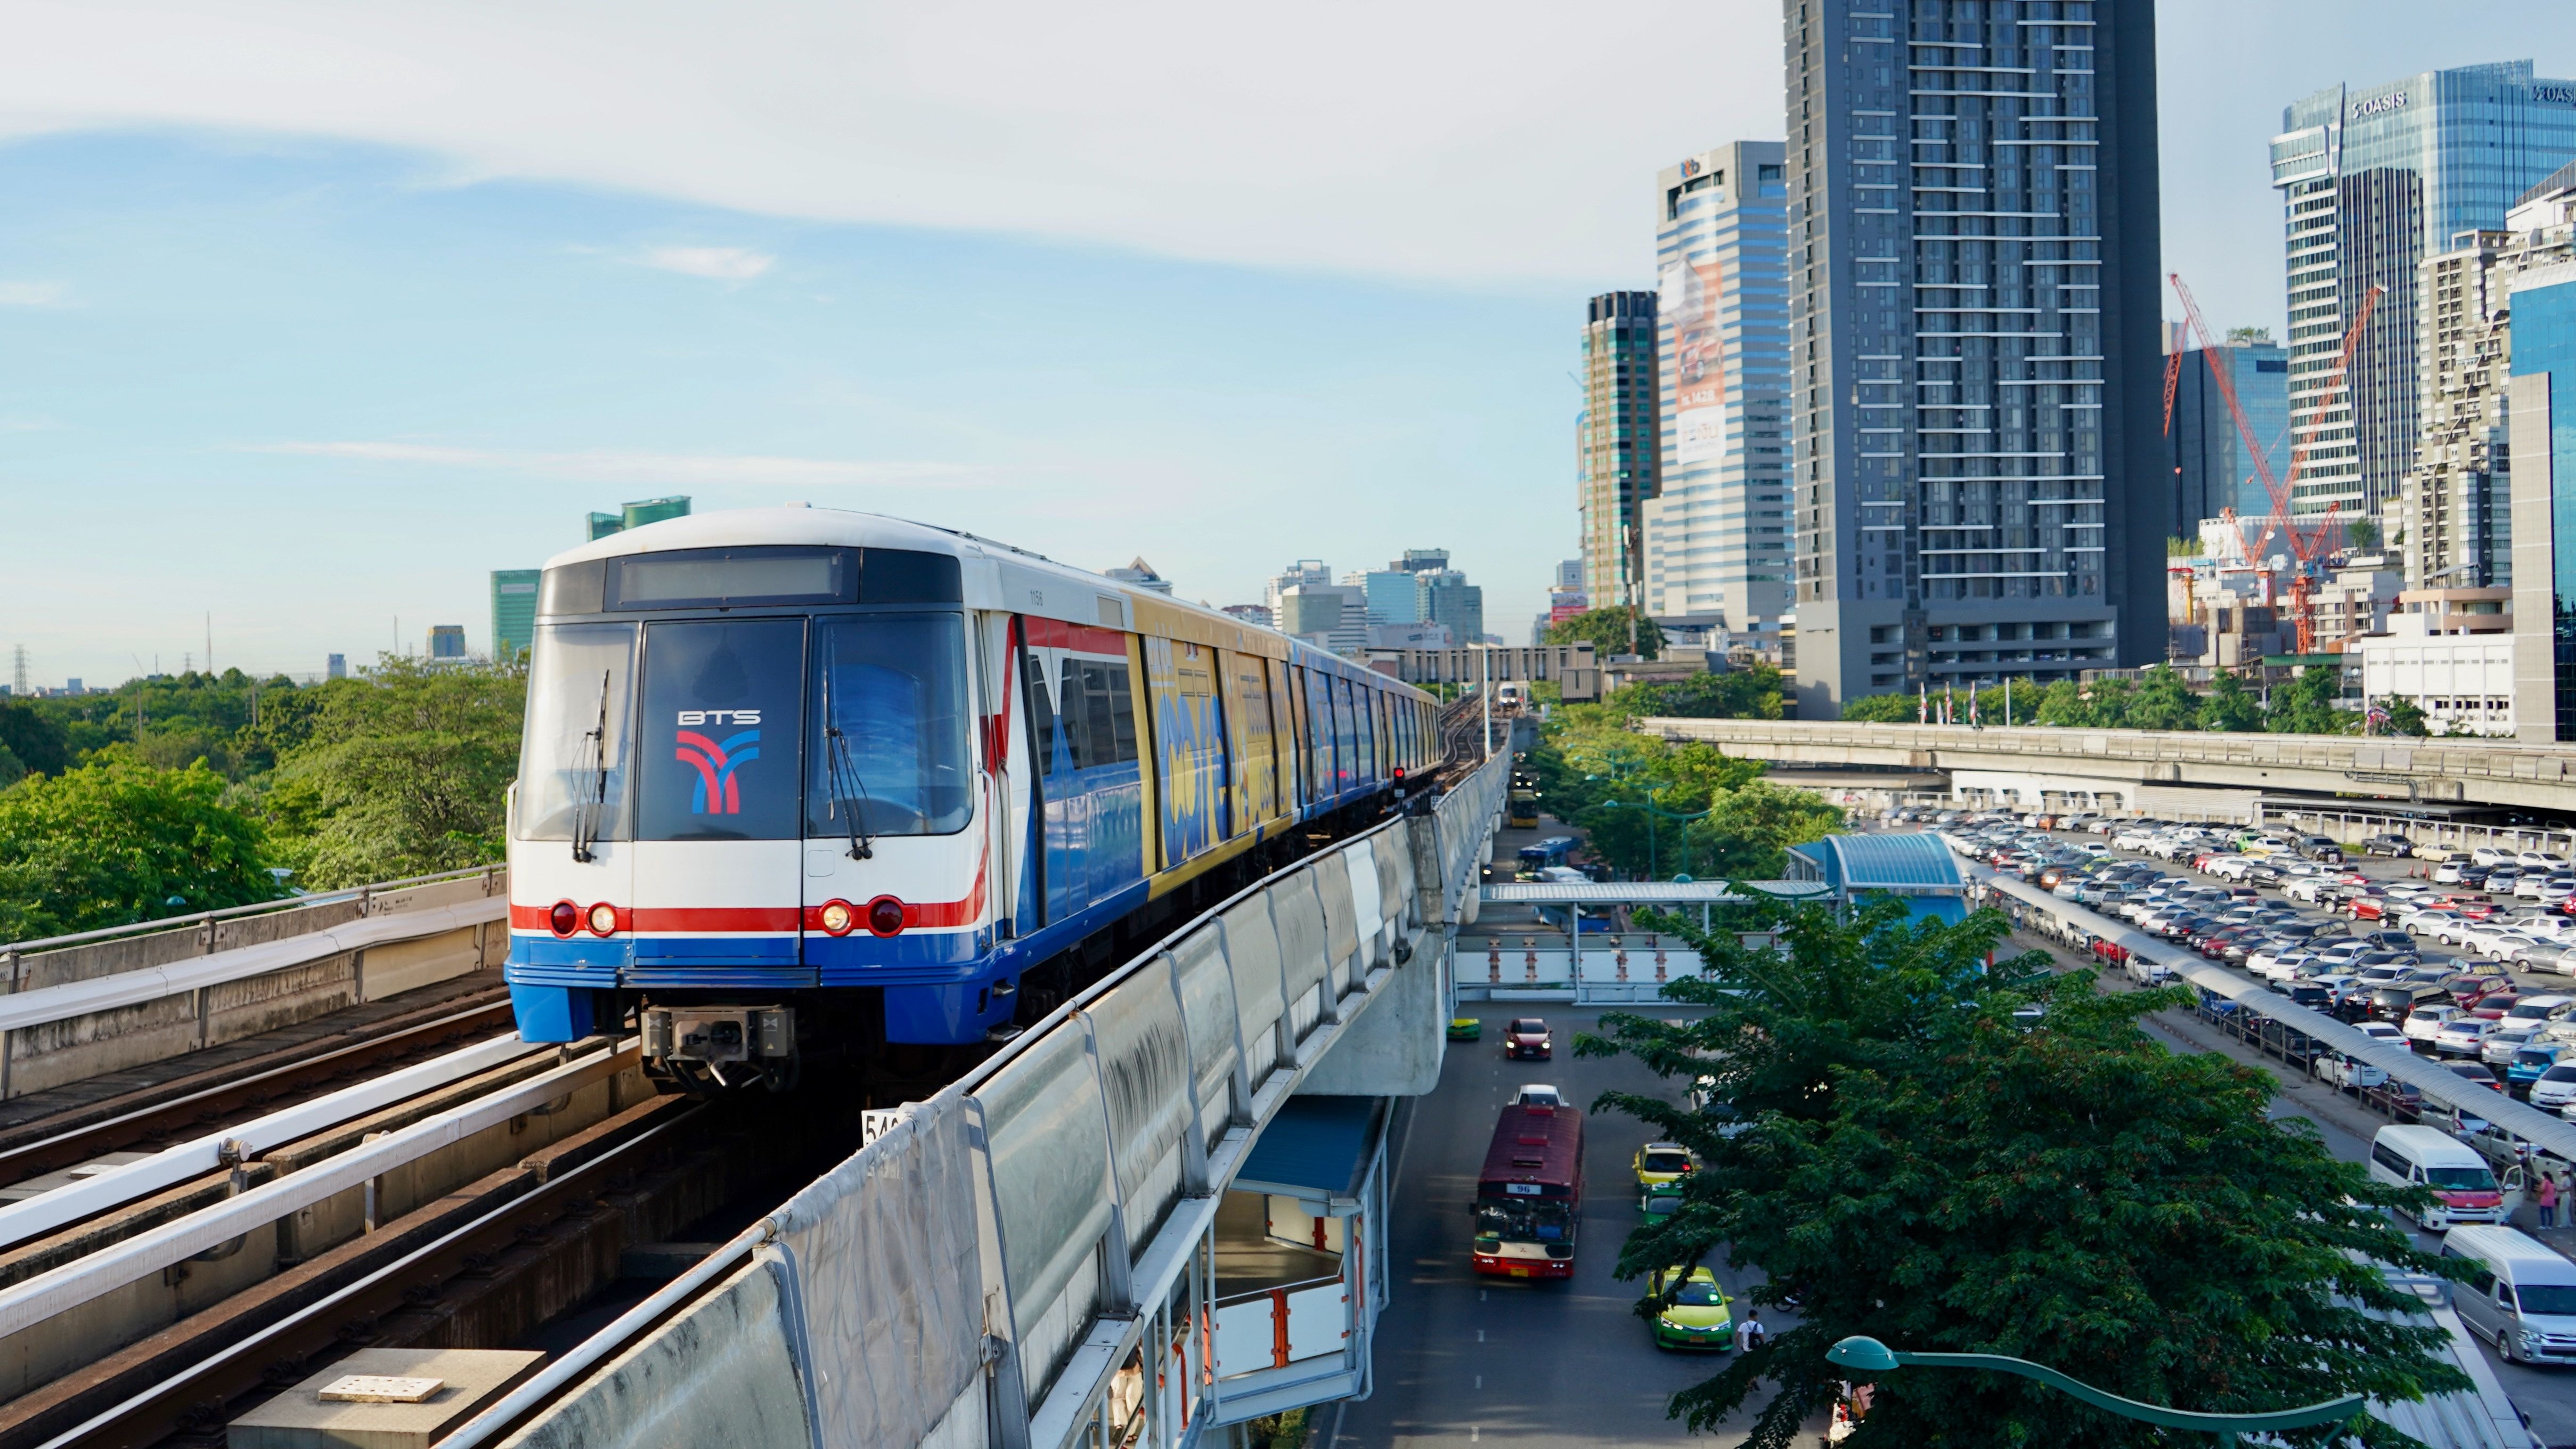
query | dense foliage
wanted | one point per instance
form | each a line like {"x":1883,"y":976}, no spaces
{"x":1611,"y":632}
{"x":1748,"y":693}
{"x":198,"y":788}
{"x":2156,"y":700}
{"x":1653,"y":806}
{"x":116,"y":841}
{"x":1917,"y":1165}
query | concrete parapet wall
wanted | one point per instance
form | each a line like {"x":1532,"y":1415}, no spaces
{"x":77,"y":1047}
{"x":720,"y":1373}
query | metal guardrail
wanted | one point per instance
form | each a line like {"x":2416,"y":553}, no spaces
{"x":198,"y":920}
{"x":2501,"y":761}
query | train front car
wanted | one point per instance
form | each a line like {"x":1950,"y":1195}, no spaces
{"x":751,"y":775}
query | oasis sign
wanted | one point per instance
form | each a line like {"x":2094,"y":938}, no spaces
{"x":2379,"y":105}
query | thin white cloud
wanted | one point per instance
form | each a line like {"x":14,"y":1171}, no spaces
{"x":620,"y":465}
{"x":34,"y":294}
{"x":721,"y":264}
{"x":1413,"y":137}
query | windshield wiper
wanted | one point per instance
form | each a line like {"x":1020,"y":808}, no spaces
{"x":590,"y":807}
{"x":836,"y":766}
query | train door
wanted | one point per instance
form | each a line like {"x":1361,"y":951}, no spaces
{"x":1083,"y":710}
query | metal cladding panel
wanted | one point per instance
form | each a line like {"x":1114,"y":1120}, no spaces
{"x":1207,"y":1005}
{"x":1395,"y":872}
{"x":1144,"y":1054}
{"x":1049,"y":1142}
{"x":1368,"y":919}
{"x":1251,"y":947}
{"x":1303,"y":953}
{"x":1342,"y":924}
{"x":893,"y":1298}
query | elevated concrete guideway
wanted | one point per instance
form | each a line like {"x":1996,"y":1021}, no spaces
{"x":2487,"y":772}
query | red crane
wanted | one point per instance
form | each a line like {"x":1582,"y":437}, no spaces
{"x":2307,"y":544}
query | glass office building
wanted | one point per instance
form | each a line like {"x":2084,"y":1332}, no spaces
{"x":1717,"y":535}
{"x":514,"y":611}
{"x":2543,"y":421}
{"x":1977,"y":372}
{"x":2213,"y":469}
{"x":2372,"y":181}
{"x":1617,"y":454}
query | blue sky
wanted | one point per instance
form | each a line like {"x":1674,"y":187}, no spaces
{"x":310,"y":315}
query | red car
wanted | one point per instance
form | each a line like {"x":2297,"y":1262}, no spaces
{"x":1528,"y":1037}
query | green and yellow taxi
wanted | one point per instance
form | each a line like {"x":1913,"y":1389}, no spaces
{"x":1661,"y":1166}
{"x":1700,"y":1315}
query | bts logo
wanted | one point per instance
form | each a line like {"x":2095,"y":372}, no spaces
{"x":718,"y":716}
{"x":716,"y":792}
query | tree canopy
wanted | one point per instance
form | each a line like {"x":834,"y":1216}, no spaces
{"x":1902,"y":1157}
{"x":1752,"y":692}
{"x":118,"y":840}
{"x":1654,"y":805}
{"x":1612,"y":631}
{"x":2157,"y":699}
{"x":202,"y":783}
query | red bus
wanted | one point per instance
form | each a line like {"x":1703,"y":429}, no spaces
{"x":1530,"y":1195}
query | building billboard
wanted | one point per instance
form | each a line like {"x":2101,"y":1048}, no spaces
{"x":1691,"y":295}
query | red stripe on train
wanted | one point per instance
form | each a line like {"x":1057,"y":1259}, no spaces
{"x":1082,"y":638}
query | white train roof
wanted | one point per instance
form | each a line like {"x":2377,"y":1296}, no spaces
{"x":996,"y":575}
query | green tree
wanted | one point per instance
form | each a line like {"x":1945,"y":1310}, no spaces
{"x":1882,"y":708}
{"x":2161,"y":701}
{"x":1752,"y":693}
{"x":1610,"y":631}
{"x":2307,"y":706}
{"x":2229,"y":708}
{"x":2405,"y":717}
{"x":403,"y":772}
{"x":118,"y":841}
{"x":1916,"y":1164}
{"x":2363,"y":533}
{"x":37,"y":743}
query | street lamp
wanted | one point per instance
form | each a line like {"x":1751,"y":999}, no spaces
{"x":1866,"y":1357}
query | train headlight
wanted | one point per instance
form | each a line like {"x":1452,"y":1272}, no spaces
{"x":565,"y":918}
{"x":838,"y":918}
{"x":885,"y":915}
{"x":603,"y":919}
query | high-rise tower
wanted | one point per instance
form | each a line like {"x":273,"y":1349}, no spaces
{"x":1975,"y":380}
{"x":1717,"y":536}
{"x":2373,"y":181}
{"x":1617,"y":451}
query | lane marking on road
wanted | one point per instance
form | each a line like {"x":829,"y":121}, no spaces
{"x":1480,"y":1335}
{"x":1471,"y":1433}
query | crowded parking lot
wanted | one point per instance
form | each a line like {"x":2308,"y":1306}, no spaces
{"x":2465,"y":957}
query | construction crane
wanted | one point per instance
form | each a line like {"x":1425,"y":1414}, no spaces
{"x":2307,"y":544}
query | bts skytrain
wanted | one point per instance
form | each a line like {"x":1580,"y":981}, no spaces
{"x":798,"y":772}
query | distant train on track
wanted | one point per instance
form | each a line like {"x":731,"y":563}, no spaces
{"x":799,"y":779}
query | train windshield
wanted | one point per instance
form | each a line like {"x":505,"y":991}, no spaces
{"x":573,"y":757}
{"x":890,"y":748}
{"x":722,"y":703}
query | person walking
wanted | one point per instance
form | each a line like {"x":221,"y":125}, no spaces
{"x":2547,"y":1197}
{"x":1754,"y":1335}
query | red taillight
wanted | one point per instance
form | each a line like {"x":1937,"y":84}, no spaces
{"x":885,"y":915}
{"x":603,"y":919}
{"x":565,"y":918}
{"x":838,"y":918}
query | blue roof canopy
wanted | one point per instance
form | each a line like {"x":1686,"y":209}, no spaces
{"x":1912,"y":863}
{"x":1317,"y":1149}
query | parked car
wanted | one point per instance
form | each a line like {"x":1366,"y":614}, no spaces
{"x":2462,"y":1035}
{"x":2346,"y":1074}
{"x":2388,"y":845}
{"x":2542,"y":860}
{"x":2554,"y":1090}
{"x":2476,"y":1072}
{"x":2425,"y":1023}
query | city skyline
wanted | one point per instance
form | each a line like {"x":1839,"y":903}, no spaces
{"x":393,"y":321}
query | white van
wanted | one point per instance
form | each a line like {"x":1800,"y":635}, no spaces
{"x":2464,"y":1191}
{"x":2523,"y":1296}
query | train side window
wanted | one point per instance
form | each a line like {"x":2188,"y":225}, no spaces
{"x":1122,"y":712}
{"x":1100,"y":730}
{"x":1042,"y":713}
